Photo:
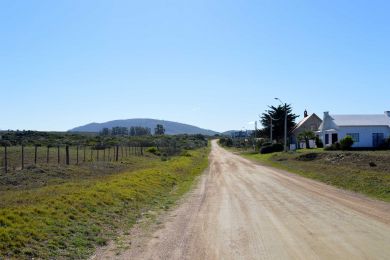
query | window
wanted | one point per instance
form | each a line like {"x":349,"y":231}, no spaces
{"x":377,"y":139}
{"x":326,"y":138}
{"x":334,"y":138}
{"x":355,"y":137}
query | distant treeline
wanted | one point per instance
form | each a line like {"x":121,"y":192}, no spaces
{"x":132,"y":131}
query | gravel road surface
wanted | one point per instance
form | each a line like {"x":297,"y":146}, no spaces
{"x":242,"y":210}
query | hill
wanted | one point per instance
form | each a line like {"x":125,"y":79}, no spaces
{"x":171,"y":128}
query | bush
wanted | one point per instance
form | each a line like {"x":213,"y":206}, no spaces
{"x":333,"y":147}
{"x":266,"y":149}
{"x":153,"y":150}
{"x":271,"y":148}
{"x":277,"y":147}
{"x":225,"y":141}
{"x":319,"y":142}
{"x":385,"y":145}
{"x":346,"y":143}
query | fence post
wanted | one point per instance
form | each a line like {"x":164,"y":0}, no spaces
{"x":22,"y":157}
{"x":35,"y":155}
{"x":5,"y":159}
{"x":67,"y":154}
{"x":58,"y":154}
{"x":47,"y":154}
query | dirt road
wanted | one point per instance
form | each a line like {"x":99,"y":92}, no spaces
{"x":241,"y":210}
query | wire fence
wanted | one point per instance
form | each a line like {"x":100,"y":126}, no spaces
{"x":15,"y":158}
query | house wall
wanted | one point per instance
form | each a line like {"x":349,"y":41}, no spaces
{"x":312,"y":124}
{"x":365,"y":133}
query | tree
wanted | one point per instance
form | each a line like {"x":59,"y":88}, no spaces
{"x":105,"y":131}
{"x":278,"y":125}
{"x":306,"y":135}
{"x":159,"y":130}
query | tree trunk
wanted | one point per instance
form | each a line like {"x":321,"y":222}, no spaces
{"x":97,"y":155}
{"x":109,"y":153}
{"x":67,"y":154}
{"x":91,"y":153}
{"x":121,"y":152}
{"x":307,"y":143}
{"x":85,"y":152}
{"x":104,"y":154}
{"x":117,"y":153}
{"x":22,"y":157}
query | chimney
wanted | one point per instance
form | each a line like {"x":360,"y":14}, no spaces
{"x":305,"y":113}
{"x":387,"y":113}
{"x":326,"y":114}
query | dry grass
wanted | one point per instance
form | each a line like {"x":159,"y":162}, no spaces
{"x":67,"y":217}
{"x":366,"y":172}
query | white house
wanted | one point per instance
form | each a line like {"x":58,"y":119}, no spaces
{"x":366,"y":130}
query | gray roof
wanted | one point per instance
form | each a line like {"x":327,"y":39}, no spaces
{"x":361,"y":120}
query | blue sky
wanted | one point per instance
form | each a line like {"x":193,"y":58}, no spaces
{"x":214,"y":64}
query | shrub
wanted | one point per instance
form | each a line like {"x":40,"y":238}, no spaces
{"x":346,"y":143}
{"x":226,"y":141}
{"x":277,"y":147}
{"x":153,"y":150}
{"x":319,"y":142}
{"x":266,"y":149}
{"x":271,"y":148}
{"x":385,"y":145}
{"x":333,"y":147}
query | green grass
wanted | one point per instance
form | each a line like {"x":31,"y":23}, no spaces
{"x":68,"y":220}
{"x":347,"y":170}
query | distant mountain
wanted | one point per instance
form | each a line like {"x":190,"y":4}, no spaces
{"x":171,"y":128}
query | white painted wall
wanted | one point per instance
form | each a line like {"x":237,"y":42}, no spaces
{"x":365,"y":133}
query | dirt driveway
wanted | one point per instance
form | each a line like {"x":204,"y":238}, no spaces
{"x":241,"y":210}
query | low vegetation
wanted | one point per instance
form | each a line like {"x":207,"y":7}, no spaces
{"x":66,"y":211}
{"x":366,"y":172}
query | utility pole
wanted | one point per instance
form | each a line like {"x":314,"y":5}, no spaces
{"x":271,"y":125}
{"x":285,"y":123}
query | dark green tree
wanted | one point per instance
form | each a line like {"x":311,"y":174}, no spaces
{"x":278,"y":125}
{"x":159,"y":130}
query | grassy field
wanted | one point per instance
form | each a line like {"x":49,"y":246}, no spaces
{"x":367,"y":172}
{"x":67,"y":217}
